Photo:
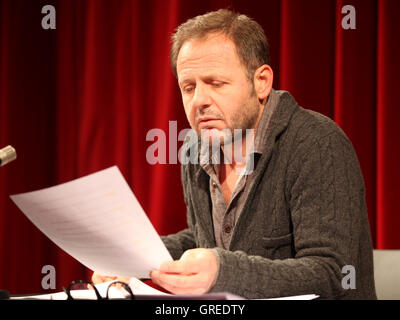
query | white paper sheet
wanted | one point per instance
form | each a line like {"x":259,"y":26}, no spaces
{"x":140,"y":290}
{"x":98,"y":221}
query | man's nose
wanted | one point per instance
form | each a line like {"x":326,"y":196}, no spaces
{"x":201,"y":98}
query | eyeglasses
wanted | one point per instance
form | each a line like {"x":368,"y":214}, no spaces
{"x":86,"y":290}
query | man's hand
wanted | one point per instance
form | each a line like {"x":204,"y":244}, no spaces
{"x":97,"y":278}
{"x":193,"y":273}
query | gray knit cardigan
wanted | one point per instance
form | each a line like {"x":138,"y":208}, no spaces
{"x":304,"y":220}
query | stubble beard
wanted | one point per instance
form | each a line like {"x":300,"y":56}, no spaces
{"x":243,"y":119}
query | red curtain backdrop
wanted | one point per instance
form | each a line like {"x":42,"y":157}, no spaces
{"x":82,"y":98}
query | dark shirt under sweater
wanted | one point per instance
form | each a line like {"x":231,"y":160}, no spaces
{"x":225,"y":215}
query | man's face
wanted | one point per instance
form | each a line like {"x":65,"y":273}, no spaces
{"x":216,"y":92}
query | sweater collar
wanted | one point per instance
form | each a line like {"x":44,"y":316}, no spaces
{"x":282,"y":106}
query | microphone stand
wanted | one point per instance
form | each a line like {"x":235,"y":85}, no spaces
{"x":7,"y":154}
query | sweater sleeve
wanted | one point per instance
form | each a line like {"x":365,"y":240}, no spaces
{"x":325,"y":190}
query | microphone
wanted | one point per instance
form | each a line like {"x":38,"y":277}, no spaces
{"x":7,"y":155}
{"x":4,"y":295}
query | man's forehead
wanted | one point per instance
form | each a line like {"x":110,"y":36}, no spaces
{"x":214,"y":50}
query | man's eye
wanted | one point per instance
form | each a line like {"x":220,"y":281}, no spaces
{"x":188,"y":89}
{"x":217,"y":84}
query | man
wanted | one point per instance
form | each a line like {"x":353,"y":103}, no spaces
{"x":291,"y":224}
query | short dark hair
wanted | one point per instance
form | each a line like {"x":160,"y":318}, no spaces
{"x":248,"y":36}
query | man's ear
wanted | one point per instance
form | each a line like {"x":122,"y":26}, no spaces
{"x":263,"y":78}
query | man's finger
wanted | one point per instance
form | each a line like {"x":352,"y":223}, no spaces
{"x":97,"y":278}
{"x":179,"y":284}
{"x":178,"y":266}
{"x":179,"y":280}
{"x":124,"y":279}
